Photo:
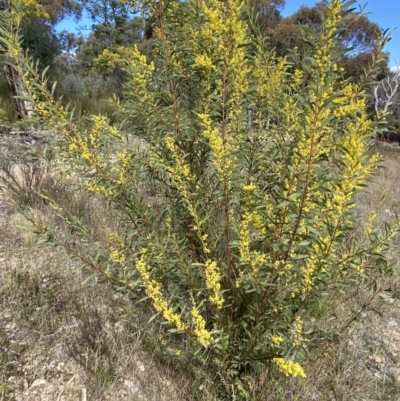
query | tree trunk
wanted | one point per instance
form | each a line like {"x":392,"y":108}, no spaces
{"x":24,"y":107}
{"x":4,"y":5}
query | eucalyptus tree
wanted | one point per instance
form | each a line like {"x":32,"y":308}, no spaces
{"x":359,"y":38}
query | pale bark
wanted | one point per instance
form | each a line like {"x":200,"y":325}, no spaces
{"x":386,"y":90}
{"x":24,"y":108}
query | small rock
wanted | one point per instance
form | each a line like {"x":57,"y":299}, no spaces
{"x":129,"y":383}
{"x":38,"y":382}
{"x":10,"y":326}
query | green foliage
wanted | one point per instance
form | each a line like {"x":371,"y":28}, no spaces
{"x":235,"y":185}
{"x":5,"y":389}
{"x":42,"y":43}
{"x":105,"y":47}
{"x":3,"y":117}
{"x":267,"y":12}
{"x":74,"y":87}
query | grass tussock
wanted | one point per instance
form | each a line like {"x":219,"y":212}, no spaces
{"x":92,"y":106}
{"x":65,"y":334}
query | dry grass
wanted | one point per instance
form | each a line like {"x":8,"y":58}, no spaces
{"x":65,"y":335}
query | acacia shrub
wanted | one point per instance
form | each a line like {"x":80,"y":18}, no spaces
{"x":235,"y":181}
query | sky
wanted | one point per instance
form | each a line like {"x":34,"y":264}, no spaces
{"x":386,"y":13}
